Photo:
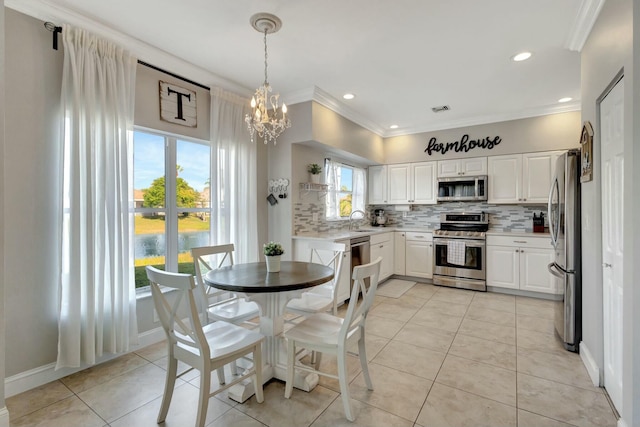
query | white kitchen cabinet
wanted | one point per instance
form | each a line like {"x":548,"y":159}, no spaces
{"x":412,"y":183}
{"x":419,"y":254}
{"x":399,"y":253}
{"x":377,"y":185}
{"x":520,"y":263}
{"x":344,"y":283}
{"x":382,"y":246}
{"x":461,"y":167}
{"x":521,"y":178}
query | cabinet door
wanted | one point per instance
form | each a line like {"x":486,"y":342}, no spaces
{"x":537,"y":172}
{"x":377,"y":185}
{"x":344,"y":285}
{"x":503,"y":268}
{"x":399,"y":184}
{"x":377,"y":250}
{"x":423,"y":183}
{"x":399,"y":253}
{"x":505,"y":178}
{"x":384,"y":250}
{"x":447,"y":168}
{"x":474,"y":166}
{"x":534,"y":275}
{"x":419,"y":259}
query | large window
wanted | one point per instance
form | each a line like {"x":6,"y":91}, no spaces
{"x":172,"y":201}
{"x":346,"y":189}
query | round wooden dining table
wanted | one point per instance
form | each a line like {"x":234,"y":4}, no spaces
{"x":272,"y":292}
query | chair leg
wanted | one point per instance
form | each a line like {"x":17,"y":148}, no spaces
{"x":316,"y":358}
{"x":257,"y":365}
{"x":221,"y":378}
{"x":203,"y":401}
{"x":291,"y":361}
{"x":344,"y":384}
{"x":172,"y":371}
{"x":234,"y":368}
{"x":363,"y":361}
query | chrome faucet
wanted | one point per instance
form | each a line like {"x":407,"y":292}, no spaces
{"x":351,"y":217}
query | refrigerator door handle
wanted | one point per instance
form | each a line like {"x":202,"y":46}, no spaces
{"x":552,"y":226}
{"x":558,"y":271}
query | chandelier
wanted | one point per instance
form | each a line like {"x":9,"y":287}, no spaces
{"x":267,"y":119}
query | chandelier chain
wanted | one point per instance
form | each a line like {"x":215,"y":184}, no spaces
{"x":266,"y":80}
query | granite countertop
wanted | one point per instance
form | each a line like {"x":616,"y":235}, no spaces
{"x":363,"y":231}
{"x":518,"y":233}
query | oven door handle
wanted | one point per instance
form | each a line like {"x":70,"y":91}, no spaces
{"x":469,"y":244}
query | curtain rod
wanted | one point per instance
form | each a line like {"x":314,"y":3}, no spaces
{"x":56,"y":29}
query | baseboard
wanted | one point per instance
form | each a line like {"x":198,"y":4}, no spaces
{"x":4,"y":417}
{"x":41,"y":375}
{"x":590,"y":363}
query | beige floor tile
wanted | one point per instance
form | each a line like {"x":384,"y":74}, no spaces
{"x":482,"y":350}
{"x":479,"y":378}
{"x":383,"y":327}
{"x":393,"y":391}
{"x":182,"y":368}
{"x":99,"y":374}
{"x":498,"y":317}
{"x":126,"y":392}
{"x":446,"y":307}
{"x":366,"y":416}
{"x":489,"y":331}
{"x":329,"y":363}
{"x":566,"y":368}
{"x":373,"y":345}
{"x":450,"y":407}
{"x":498,"y":304}
{"x":393,"y":311}
{"x":564,"y":403}
{"x":540,"y":341}
{"x":535,"y":307}
{"x":37,"y":398}
{"x":434,"y":319}
{"x":533,"y":323}
{"x":528,"y":419}
{"x":494,"y":296}
{"x":407,"y":301}
{"x":299,"y":410}
{"x":70,"y":412}
{"x":182,"y":410}
{"x":422,"y":336}
{"x":235,"y":418}
{"x":153,"y":352}
{"x":535,"y":302}
{"x":422,"y":291}
{"x":411,"y":359}
{"x":455,"y":296}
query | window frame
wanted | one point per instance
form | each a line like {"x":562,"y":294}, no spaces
{"x":331,"y":191}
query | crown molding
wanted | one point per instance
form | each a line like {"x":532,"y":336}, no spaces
{"x":583,"y":23}
{"x":45,"y":10}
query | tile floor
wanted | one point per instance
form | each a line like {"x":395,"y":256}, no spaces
{"x":438,"y":357}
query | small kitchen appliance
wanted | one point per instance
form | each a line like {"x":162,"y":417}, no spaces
{"x":379,"y":218}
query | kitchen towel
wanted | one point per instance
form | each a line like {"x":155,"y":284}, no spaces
{"x":456,"y":252}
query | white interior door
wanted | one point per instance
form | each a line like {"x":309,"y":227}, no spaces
{"x":612,"y":169}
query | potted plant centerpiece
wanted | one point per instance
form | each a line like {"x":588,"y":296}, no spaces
{"x":314,"y":170}
{"x":272,"y":252}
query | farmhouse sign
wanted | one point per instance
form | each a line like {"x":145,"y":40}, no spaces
{"x":177,"y":105}
{"x":464,"y":145}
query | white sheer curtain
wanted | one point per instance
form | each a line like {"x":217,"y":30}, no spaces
{"x":335,"y":180}
{"x":97,"y":311}
{"x":233,"y":187}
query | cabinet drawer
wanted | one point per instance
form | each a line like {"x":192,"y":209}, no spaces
{"x":379,"y":238}
{"x":411,"y":235}
{"x":520,"y":241}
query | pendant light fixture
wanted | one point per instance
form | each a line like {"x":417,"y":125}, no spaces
{"x":267,"y":119}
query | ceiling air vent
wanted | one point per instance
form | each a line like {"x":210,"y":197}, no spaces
{"x":440,"y":108}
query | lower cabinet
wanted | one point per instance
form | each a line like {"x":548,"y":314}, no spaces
{"x":419,"y":254}
{"x":520,"y":263}
{"x":382,"y":246}
{"x":344,"y":283}
{"x":399,"y":249}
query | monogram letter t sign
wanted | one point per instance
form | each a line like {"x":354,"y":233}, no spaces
{"x":177,"y":105}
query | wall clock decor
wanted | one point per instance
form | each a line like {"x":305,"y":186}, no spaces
{"x":586,"y":153}
{"x":177,"y":105}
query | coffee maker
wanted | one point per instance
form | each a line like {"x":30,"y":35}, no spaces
{"x":379,"y":218}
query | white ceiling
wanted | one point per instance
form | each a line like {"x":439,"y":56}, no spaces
{"x":399,"y":58}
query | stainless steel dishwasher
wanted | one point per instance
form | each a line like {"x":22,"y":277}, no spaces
{"x":360,"y":254}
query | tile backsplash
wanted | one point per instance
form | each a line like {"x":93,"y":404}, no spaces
{"x":501,"y":217}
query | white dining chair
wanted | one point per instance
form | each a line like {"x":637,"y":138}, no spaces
{"x":221,"y":304}
{"x":205,"y":348}
{"x":323,"y":297}
{"x":326,"y":333}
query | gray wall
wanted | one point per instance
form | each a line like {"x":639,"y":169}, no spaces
{"x":609,"y":49}
{"x":544,"y":133}
{"x":2,"y":181}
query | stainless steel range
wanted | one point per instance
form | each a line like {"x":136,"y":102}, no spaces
{"x":459,"y":251}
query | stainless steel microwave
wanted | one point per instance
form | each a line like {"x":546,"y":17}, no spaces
{"x":462,"y":188}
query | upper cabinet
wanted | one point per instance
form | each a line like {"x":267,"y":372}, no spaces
{"x":412,"y":183}
{"x":461,"y":167}
{"x":377,"y":185}
{"x":521,"y":178}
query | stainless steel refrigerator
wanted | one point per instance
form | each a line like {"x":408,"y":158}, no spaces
{"x":564,"y":228}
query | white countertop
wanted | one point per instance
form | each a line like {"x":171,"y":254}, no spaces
{"x":369,"y":231}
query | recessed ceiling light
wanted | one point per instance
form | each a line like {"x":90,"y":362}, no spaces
{"x":348,"y":96}
{"x":393,"y":127}
{"x":522,"y":56}
{"x":566,"y":99}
